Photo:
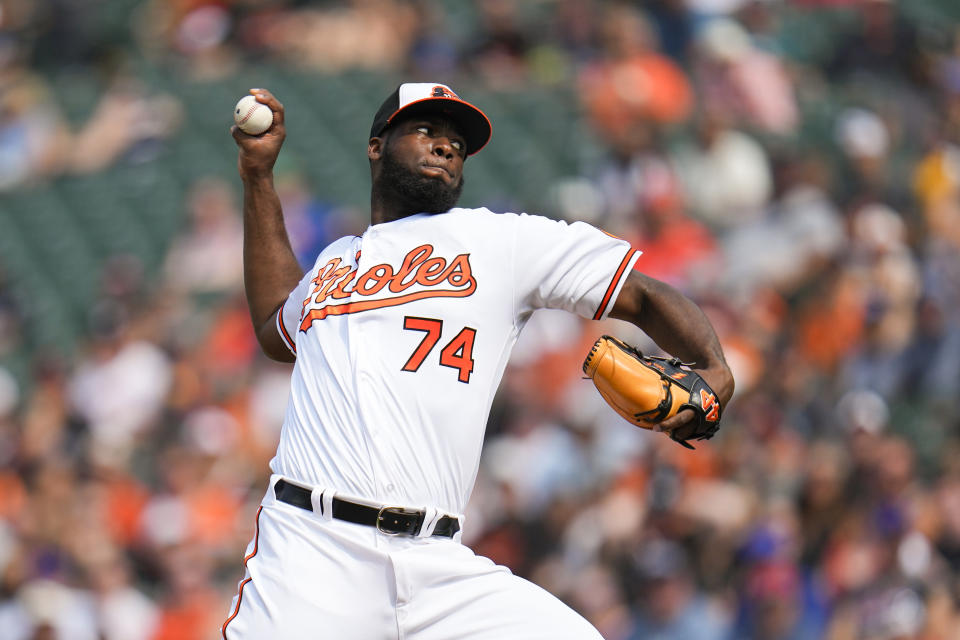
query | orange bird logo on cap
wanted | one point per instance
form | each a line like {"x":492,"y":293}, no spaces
{"x":443,"y":92}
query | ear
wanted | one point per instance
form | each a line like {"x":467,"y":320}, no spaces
{"x":375,"y":149}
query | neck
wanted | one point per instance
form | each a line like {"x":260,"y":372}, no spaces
{"x":387,"y":207}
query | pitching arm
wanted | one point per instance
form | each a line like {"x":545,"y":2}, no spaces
{"x":270,"y":268}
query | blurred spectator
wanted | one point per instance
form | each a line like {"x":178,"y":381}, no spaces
{"x":936,"y":184}
{"x":830,"y":328}
{"x":674,"y":26}
{"x":311,"y":223}
{"x":357,"y":34}
{"x":891,"y":283}
{"x":669,"y":606}
{"x":47,"y":609}
{"x":633,"y":82}
{"x":120,"y":387}
{"x":34,"y":137}
{"x":206,"y":258}
{"x":676,"y":248}
{"x":189,"y":608}
{"x":193,"y":32}
{"x":498,"y":53}
{"x":633,"y":177}
{"x":125,"y":613}
{"x":128,"y":123}
{"x":726,"y":174}
{"x":195,"y":507}
{"x":777,"y":605}
{"x":764,"y":23}
{"x":36,"y":141}
{"x":882,"y":46}
{"x":47,"y":426}
{"x":597,"y":595}
{"x":433,"y":52}
{"x":749,"y":86}
{"x":515,"y":459}
{"x":821,"y":500}
{"x":799,"y":238}
{"x":573,"y":28}
{"x":867,"y":171}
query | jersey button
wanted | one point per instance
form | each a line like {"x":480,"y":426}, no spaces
{"x":391,"y":488}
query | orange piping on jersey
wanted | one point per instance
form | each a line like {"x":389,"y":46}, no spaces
{"x":256,"y":545}
{"x":256,"y":538}
{"x":613,"y":284}
{"x":367,"y":305}
{"x":283,"y":333}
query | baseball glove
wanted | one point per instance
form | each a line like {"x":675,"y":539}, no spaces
{"x":647,"y":390}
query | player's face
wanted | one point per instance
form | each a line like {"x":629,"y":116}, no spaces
{"x":422,"y":163}
{"x":432,"y":146}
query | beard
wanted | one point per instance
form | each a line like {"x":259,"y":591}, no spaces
{"x":416,"y":193}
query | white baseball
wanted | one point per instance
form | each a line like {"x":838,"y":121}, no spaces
{"x":251,"y":116}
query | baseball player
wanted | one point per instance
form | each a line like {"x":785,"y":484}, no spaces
{"x":399,"y":338}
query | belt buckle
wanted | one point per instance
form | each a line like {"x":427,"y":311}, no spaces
{"x":400,"y":511}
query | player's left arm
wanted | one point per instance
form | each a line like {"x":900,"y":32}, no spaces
{"x":680,"y":328}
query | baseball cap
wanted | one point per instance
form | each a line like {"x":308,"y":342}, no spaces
{"x":430,"y":97}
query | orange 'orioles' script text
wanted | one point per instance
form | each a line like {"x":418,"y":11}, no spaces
{"x":436,"y":277}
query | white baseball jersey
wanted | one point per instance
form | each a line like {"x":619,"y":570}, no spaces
{"x":402,"y":335}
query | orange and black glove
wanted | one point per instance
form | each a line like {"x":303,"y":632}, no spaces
{"x":647,"y":390}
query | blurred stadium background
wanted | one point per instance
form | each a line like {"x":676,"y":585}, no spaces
{"x":793,"y":165}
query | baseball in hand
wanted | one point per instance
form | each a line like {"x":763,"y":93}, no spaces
{"x":251,"y":116}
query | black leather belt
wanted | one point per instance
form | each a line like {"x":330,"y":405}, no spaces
{"x":392,"y":520}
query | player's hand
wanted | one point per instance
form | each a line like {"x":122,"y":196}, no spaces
{"x":259,"y":153}
{"x":720,"y":380}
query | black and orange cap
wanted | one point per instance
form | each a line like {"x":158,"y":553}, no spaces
{"x":429,"y":97}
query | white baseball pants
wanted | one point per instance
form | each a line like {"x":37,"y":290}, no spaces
{"x":312,"y":577}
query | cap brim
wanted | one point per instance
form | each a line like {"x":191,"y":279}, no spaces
{"x":474,"y":124}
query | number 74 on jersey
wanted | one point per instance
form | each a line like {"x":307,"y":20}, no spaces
{"x":456,"y":354}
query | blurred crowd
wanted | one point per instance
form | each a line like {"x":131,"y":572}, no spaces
{"x":804,"y":188}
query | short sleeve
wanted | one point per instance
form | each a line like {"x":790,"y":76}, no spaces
{"x":575,"y":267}
{"x":288,"y":319}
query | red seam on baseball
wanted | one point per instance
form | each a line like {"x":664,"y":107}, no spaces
{"x":250,"y":111}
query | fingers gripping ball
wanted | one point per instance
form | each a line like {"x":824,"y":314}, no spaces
{"x":646,"y":390}
{"x":251,"y":116}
